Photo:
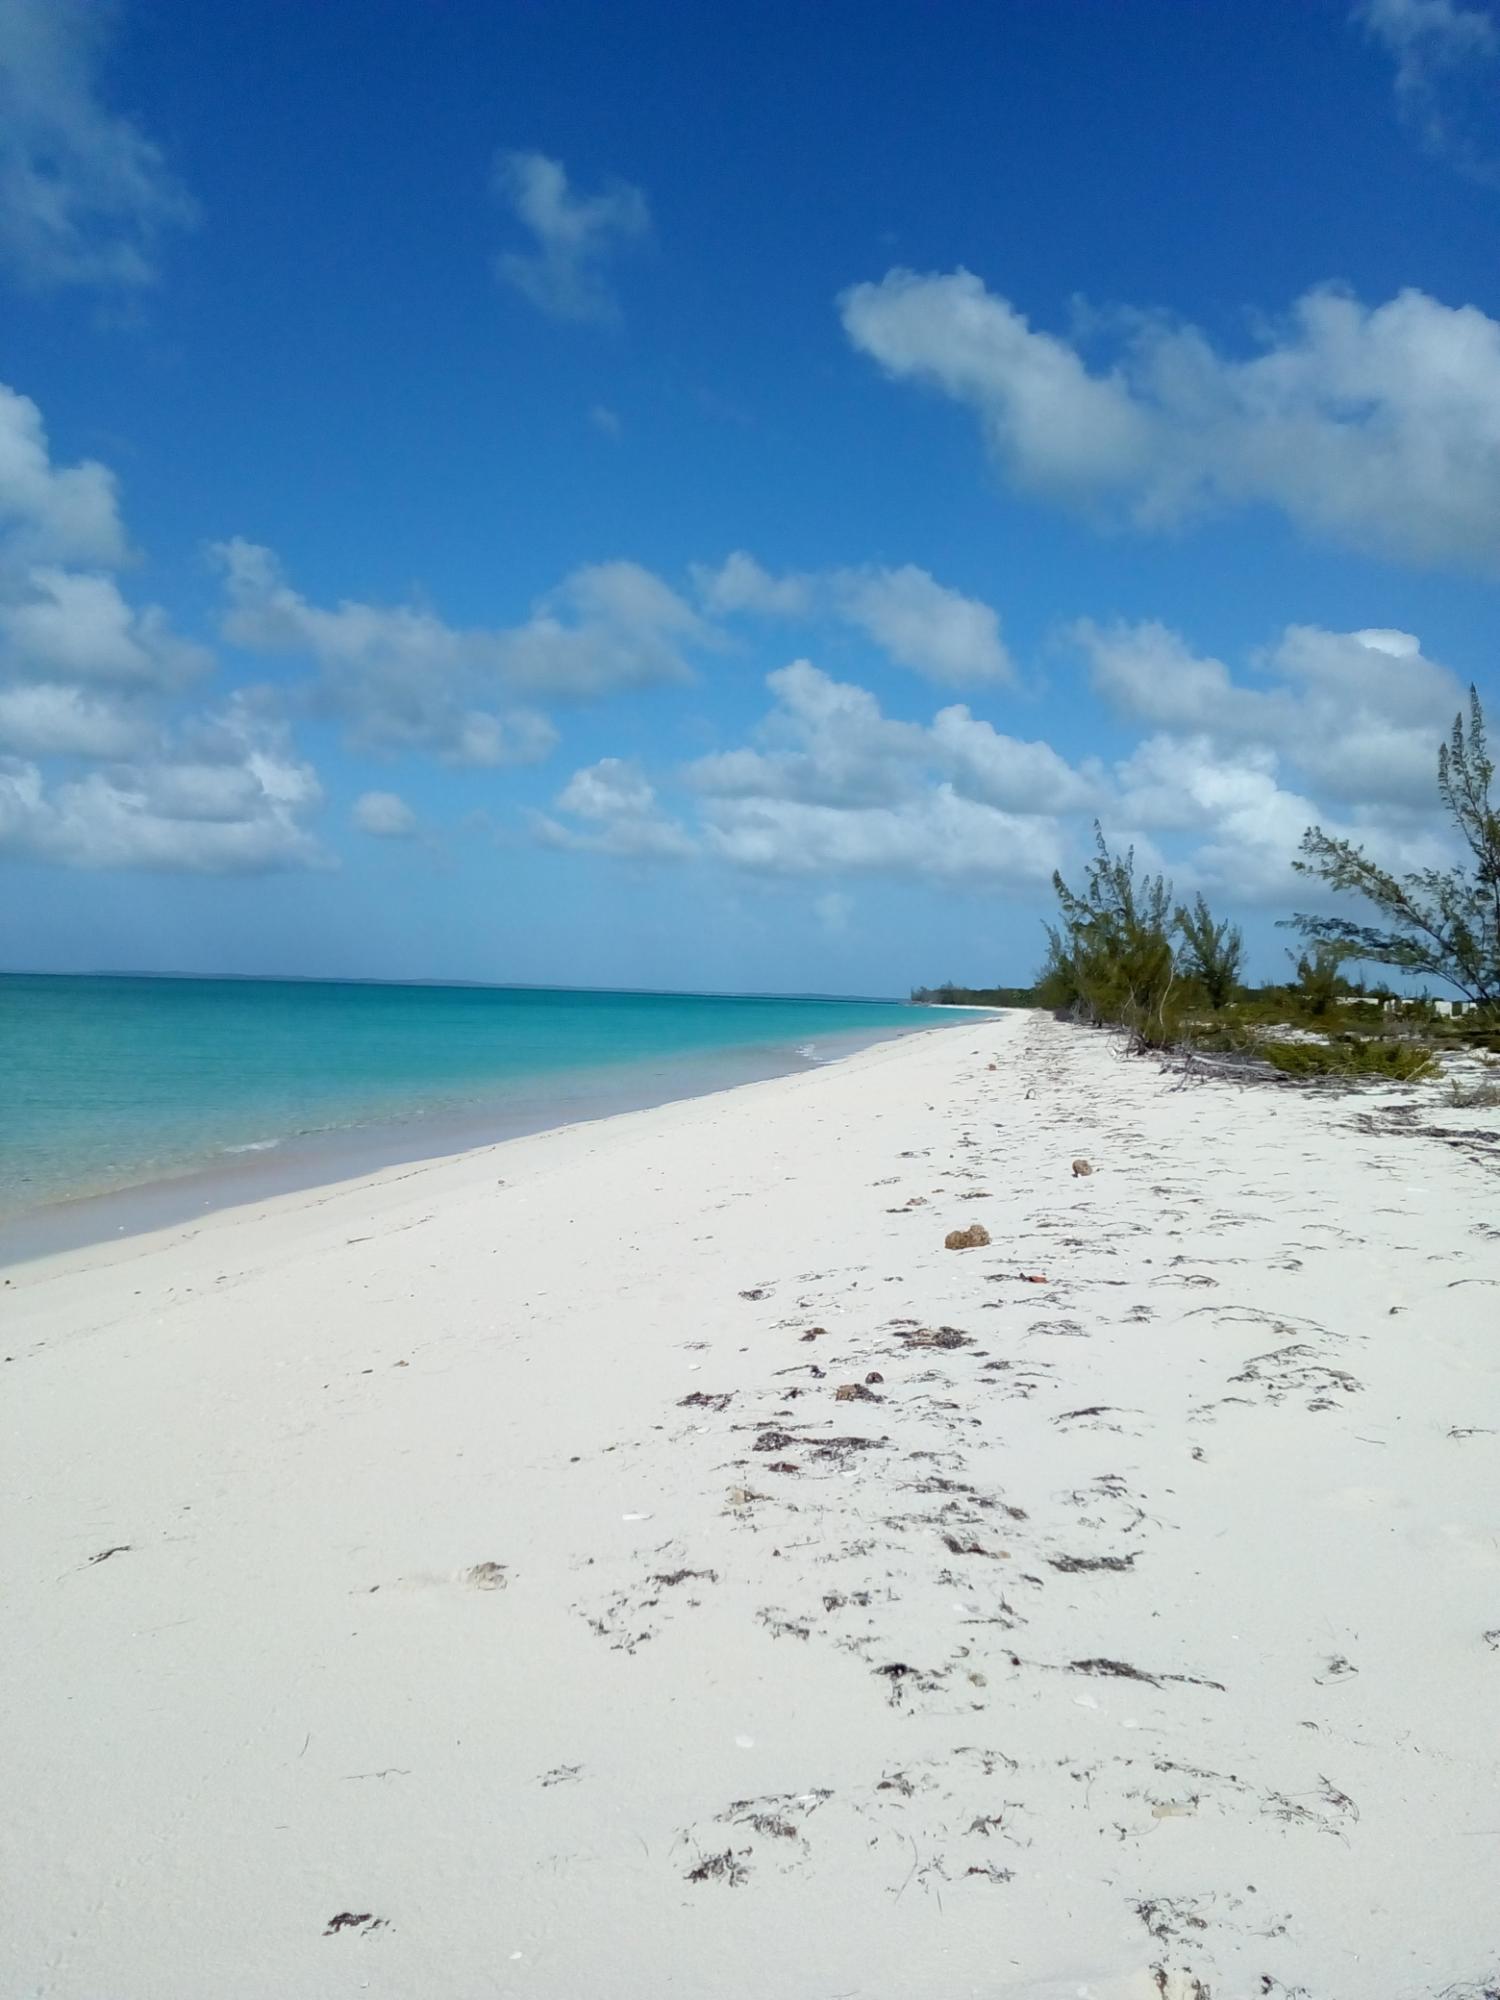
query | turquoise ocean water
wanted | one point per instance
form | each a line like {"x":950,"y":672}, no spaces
{"x":109,"y":1083}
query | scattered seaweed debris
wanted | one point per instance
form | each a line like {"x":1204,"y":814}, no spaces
{"x":783,"y":1465}
{"x":991,"y":1873}
{"x":975,"y":1237}
{"x":782,"y":1628}
{"x":1338,"y":1667}
{"x":726,"y":1867}
{"x":816,"y":1333}
{"x":957,"y":1548}
{"x":756,"y":1292}
{"x":1070,"y":1565}
{"x":856,"y":1392}
{"x":836,"y":1447}
{"x":937,"y":1336}
{"x":669,"y":1579}
{"x":774,"y":1441}
{"x":350,"y":1920}
{"x":119,"y":1549}
{"x":701,"y":1399}
{"x":562,"y":1774}
{"x":1120,"y":1670}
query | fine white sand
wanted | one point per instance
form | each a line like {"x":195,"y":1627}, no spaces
{"x":1148,"y":1643}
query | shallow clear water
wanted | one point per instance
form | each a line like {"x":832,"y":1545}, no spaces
{"x":112,"y":1082}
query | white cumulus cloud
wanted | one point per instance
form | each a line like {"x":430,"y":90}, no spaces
{"x":834,"y":785}
{"x":916,"y":621}
{"x":402,"y":678}
{"x":49,"y":512}
{"x":1358,"y":714}
{"x":922,"y":624}
{"x":48,"y":719}
{"x":618,"y":806}
{"x":99,"y":766}
{"x":1377,"y":427}
{"x":231,"y":797}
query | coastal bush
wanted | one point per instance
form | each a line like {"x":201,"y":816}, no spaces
{"x":951,"y":995}
{"x":1319,"y":982}
{"x":1350,"y":1058}
{"x":1474,"y":1096}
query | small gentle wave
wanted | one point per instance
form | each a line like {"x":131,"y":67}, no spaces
{"x":252,"y":1146}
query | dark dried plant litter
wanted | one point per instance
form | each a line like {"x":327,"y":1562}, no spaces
{"x":119,"y":1549}
{"x":671,"y":1578}
{"x":783,"y":1628}
{"x":836,"y":1447}
{"x":937,"y":1336}
{"x":1071,"y":1564}
{"x":1122,"y":1671}
{"x":726,"y":1867}
{"x":350,"y":1920}
{"x":701,"y":1399}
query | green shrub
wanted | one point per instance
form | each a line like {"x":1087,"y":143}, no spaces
{"x":1351,"y":1058}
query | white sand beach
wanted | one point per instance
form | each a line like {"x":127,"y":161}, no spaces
{"x":474,"y":1581}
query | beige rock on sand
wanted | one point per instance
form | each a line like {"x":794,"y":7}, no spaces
{"x":975,"y":1237}
{"x":1142,"y":1639}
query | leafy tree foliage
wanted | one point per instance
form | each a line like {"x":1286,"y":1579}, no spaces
{"x":1211,"y":953}
{"x":1110,"y":956}
{"x":1444,"y":923}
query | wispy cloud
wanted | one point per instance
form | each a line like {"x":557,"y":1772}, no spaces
{"x":85,"y":195}
{"x":576,"y":236}
{"x":386,"y":815}
{"x":1447,"y":61}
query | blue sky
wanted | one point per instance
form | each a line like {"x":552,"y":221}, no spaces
{"x":661,"y":495}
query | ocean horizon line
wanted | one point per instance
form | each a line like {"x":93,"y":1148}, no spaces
{"x":466,"y":985}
